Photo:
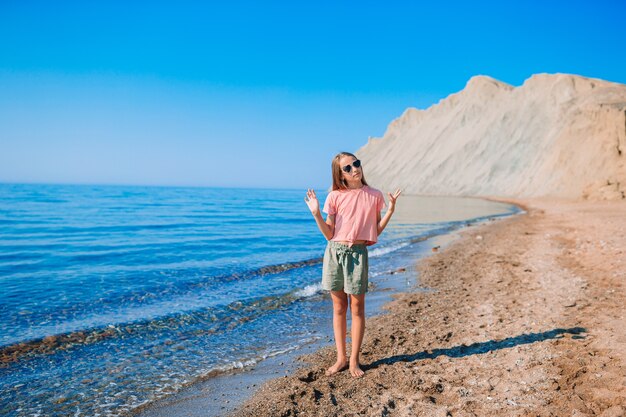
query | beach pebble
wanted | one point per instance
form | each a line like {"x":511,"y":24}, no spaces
{"x":479,"y":237}
{"x":464,"y":392}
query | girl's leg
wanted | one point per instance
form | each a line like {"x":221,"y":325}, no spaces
{"x":340,"y":307}
{"x":357,"y":309}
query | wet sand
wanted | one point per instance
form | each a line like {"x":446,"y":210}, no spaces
{"x":526,"y":318}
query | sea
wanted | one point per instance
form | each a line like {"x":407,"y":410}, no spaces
{"x":114,"y":297}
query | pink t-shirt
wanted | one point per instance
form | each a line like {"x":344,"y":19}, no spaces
{"x":355,"y":213}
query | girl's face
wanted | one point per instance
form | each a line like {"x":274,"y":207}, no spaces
{"x":355,"y":174}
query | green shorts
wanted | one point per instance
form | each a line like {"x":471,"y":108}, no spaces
{"x":345,"y":268}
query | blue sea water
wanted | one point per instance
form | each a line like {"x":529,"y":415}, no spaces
{"x":112,"y":296}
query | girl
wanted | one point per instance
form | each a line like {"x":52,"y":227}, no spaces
{"x":353,"y":223}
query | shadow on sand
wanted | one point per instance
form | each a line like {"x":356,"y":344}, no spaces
{"x":481,"y":347}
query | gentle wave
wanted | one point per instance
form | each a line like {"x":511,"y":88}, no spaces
{"x":213,"y":320}
{"x":215,"y":371}
{"x":309,"y":290}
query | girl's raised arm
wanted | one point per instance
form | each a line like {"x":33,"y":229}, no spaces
{"x":382,"y":223}
{"x":326,"y":227}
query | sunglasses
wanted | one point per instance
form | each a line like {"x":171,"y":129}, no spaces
{"x":348,"y":168}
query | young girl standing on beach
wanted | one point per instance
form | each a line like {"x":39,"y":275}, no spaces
{"x":353,"y":223}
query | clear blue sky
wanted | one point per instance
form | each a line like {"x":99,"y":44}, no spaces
{"x":259,"y":94}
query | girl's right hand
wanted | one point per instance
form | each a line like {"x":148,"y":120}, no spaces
{"x":312,"y":201}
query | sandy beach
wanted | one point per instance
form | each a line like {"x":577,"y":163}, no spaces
{"x":525,"y":318}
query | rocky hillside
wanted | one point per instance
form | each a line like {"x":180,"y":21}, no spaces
{"x":556,"y":135}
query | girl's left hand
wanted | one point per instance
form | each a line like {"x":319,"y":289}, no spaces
{"x":392,"y":198}
{"x":312,"y":202}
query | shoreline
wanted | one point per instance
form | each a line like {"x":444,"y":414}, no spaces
{"x":526,"y":317}
{"x":223,"y":394}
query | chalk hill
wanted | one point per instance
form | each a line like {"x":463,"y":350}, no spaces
{"x":556,"y":135}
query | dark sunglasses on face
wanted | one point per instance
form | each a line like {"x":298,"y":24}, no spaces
{"x":348,"y":168}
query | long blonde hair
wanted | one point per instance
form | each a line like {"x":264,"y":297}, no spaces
{"x":338,"y":182}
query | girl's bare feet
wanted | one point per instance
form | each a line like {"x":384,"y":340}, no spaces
{"x":356,"y":370}
{"x":337,"y":367}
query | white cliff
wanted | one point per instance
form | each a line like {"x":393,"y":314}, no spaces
{"x":556,"y":135}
